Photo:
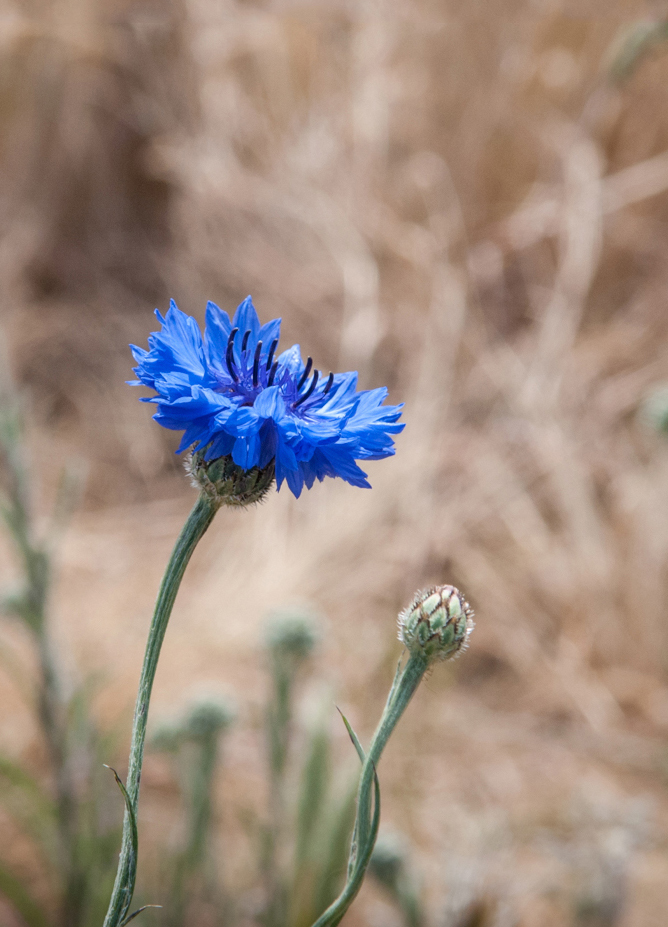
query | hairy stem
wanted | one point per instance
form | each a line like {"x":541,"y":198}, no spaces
{"x":197,"y":523}
{"x":405,"y":683}
{"x":400,"y":695}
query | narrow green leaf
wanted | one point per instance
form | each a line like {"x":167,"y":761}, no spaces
{"x":336,"y":911}
{"x":353,"y":736}
{"x":138,"y":911}
{"x":360,"y":752}
{"x":134,"y":849}
{"x":336,"y":847}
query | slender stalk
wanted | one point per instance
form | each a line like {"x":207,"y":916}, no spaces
{"x":51,"y":709}
{"x":405,"y":683}
{"x":197,"y":523}
{"x":31,"y":607}
{"x":400,"y":695}
{"x":291,"y":637}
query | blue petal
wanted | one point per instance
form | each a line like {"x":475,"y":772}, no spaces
{"x":269,"y":333}
{"x":198,"y":433}
{"x":268,"y":444}
{"x":246,"y":451}
{"x":244,"y":421}
{"x":177,"y":350}
{"x":285,"y":456}
{"x":216,"y":335}
{"x":340,"y":462}
{"x":245,"y":319}
{"x":270,"y":404}
{"x":221,"y":446}
{"x":295,"y":481}
{"x":290,"y":364}
{"x":199,"y":402}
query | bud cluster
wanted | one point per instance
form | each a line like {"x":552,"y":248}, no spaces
{"x":227,"y":483}
{"x":437,"y":624}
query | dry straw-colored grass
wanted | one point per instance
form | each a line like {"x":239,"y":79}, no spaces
{"x":456,"y":200}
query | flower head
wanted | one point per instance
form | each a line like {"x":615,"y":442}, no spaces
{"x":232,"y":396}
{"x":437,"y":624}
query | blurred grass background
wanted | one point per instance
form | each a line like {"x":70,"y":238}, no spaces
{"x":468,"y":203}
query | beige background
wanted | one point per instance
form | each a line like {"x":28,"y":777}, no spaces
{"x":458,"y":200}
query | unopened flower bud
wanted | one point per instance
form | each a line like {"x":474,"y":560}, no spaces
{"x":388,"y":859}
{"x":227,"y":483}
{"x":292,"y":633}
{"x":437,"y":624}
{"x":207,"y":717}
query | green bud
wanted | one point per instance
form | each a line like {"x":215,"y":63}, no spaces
{"x":291,"y":633}
{"x":437,"y":624}
{"x":388,"y":859}
{"x":208,"y":716}
{"x":227,"y":483}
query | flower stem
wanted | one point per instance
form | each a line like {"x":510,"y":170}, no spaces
{"x":197,"y":523}
{"x":403,"y":688}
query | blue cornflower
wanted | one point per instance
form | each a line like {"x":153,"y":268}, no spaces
{"x":232,"y":397}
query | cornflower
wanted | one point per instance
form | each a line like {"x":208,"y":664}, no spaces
{"x":233,"y":397}
{"x":247,"y":416}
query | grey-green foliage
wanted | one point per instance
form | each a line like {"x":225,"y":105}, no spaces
{"x":61,"y":816}
{"x":313,"y":829}
{"x":291,"y":636}
{"x":389,"y":865}
{"x":654,"y":409}
{"x":306,"y":839}
{"x":308,"y":855}
{"x":308,"y":897}
{"x":367,"y":818}
{"x":194,"y":740}
{"x":196,"y":525}
{"x":324,"y":818}
{"x":633,"y":45}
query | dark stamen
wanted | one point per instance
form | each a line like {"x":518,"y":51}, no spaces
{"x":304,"y":376}
{"x":270,"y":358}
{"x":328,"y":384}
{"x":314,"y":383}
{"x":272,"y":374}
{"x":229,"y":357}
{"x":256,"y":362}
{"x":244,"y":343}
